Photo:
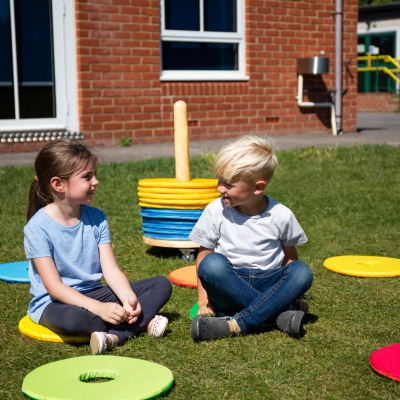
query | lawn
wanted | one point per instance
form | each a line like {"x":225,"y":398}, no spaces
{"x":348,"y":202}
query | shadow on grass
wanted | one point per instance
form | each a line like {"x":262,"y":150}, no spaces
{"x":188,"y":255}
{"x":310,"y":319}
{"x":163,"y":252}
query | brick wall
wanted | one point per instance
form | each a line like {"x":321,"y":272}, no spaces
{"x":120,"y":92}
{"x":378,"y":102}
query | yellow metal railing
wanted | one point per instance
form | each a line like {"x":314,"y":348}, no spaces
{"x":391,"y":70}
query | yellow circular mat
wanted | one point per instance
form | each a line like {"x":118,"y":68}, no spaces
{"x":185,"y":202}
{"x":199,"y":183}
{"x":179,"y":196}
{"x":166,"y":190}
{"x":364,"y":266}
{"x":174,"y":206}
{"x":35,"y":331}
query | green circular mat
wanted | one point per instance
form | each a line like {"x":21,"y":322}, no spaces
{"x":101,"y":377}
{"x":194,"y":310}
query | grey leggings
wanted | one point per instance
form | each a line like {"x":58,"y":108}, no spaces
{"x":152,"y":293}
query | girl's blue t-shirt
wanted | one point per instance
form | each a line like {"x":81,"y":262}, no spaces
{"x":74,"y":250}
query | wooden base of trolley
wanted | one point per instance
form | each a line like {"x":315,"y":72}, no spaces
{"x":186,"y":247}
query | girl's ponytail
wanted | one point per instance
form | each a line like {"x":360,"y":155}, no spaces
{"x":37,"y":198}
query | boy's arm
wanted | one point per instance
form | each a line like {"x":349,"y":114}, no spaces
{"x":205,"y":308}
{"x":290,"y":254}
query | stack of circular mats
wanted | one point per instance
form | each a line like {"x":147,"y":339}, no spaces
{"x":172,"y":206}
{"x":170,"y":209}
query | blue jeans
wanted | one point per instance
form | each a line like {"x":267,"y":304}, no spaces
{"x":252,"y":296}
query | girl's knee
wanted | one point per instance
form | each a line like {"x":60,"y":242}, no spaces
{"x":164,"y":285}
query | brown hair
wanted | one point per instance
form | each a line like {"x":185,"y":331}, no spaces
{"x":61,"y":158}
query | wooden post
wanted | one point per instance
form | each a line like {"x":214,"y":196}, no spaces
{"x":181,"y":140}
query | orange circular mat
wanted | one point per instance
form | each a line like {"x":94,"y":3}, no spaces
{"x":185,"y":276}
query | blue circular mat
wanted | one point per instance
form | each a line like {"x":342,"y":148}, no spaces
{"x":178,"y":236}
{"x":168,"y":224}
{"x":188,"y":226}
{"x":15,"y":272}
{"x":167,"y":213}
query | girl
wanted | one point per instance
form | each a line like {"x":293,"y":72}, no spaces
{"x":69,"y":248}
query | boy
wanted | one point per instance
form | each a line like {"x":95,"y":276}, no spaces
{"x":247,"y":263}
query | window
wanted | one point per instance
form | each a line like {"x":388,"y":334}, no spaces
{"x":377,"y":44}
{"x":202,"y":40}
{"x":37,"y":66}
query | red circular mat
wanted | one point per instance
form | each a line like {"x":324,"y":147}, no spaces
{"x":386,"y":361}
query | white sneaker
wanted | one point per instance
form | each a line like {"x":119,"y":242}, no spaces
{"x":101,"y":342}
{"x":98,"y":342}
{"x":159,"y":325}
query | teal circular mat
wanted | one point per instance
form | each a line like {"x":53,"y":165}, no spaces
{"x":15,"y":272}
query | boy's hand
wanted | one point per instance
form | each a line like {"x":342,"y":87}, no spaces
{"x":206,"y":310}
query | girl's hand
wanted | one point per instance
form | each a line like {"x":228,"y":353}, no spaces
{"x":112,"y":313}
{"x":206,"y":309}
{"x":133,"y":309}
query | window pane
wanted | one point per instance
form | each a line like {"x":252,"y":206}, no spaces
{"x":6,"y":75}
{"x":182,"y":15}
{"x":220,"y":15}
{"x":385,"y":43}
{"x":200,"y":56}
{"x":381,"y":82}
{"x":361,"y":75}
{"x":35,"y":58}
{"x":377,"y":81}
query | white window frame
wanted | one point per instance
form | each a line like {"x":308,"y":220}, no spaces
{"x":210,"y":37}
{"x":65,"y":68}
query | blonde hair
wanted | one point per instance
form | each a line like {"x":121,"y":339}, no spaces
{"x":62,"y":158}
{"x":248,"y":159}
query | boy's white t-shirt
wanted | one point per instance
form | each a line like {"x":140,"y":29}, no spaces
{"x":248,"y":241}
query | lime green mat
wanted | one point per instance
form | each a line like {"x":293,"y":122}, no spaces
{"x":119,"y":378}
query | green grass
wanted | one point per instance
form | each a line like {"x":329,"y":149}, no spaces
{"x":346,"y":199}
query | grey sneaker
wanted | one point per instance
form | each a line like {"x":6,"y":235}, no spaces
{"x":209,"y":328}
{"x":291,"y":322}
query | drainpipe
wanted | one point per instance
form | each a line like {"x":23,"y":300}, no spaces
{"x":338,"y":63}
